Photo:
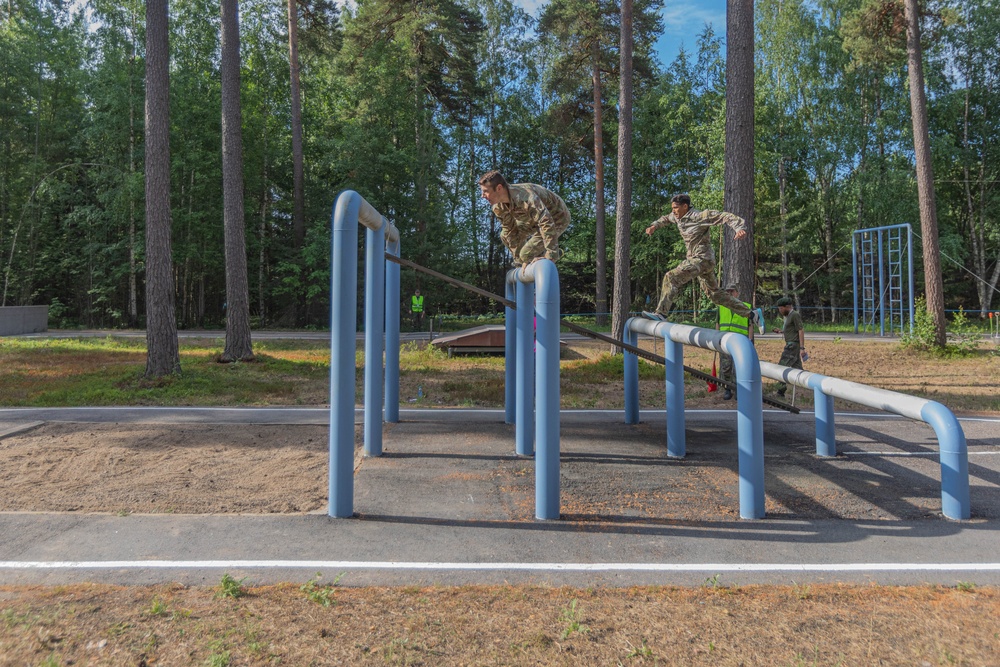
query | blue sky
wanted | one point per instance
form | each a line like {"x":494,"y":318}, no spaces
{"x":683,"y":20}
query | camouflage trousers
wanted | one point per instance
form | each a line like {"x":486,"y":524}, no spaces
{"x":791,"y":356}
{"x":703,"y":269}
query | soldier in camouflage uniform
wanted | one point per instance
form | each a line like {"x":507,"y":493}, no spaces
{"x":695,"y":228}
{"x":532,"y":218}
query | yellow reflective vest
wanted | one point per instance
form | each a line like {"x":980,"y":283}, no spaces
{"x":730,"y":321}
{"x":417,"y":303}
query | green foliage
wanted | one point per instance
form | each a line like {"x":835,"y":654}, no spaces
{"x":230,"y":587}
{"x":964,"y":336}
{"x":571,"y":618}
{"x":321,"y":595}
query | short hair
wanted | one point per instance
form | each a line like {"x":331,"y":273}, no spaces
{"x":681,"y":199}
{"x":492,"y":179}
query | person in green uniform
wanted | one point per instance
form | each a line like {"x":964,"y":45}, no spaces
{"x":695,"y":227}
{"x":795,"y":338}
{"x":417,"y":308}
{"x":532,"y":218}
{"x":735,"y":323}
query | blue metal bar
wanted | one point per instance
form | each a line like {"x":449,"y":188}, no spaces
{"x":525,"y":368}
{"x":547,"y":389}
{"x":392,"y":335}
{"x":510,"y":350}
{"x":343,"y":322}
{"x":954,"y":456}
{"x":909,"y":265}
{"x":854,"y":273}
{"x":826,"y":432}
{"x":374,"y":338}
{"x":631,"y":377}
{"x":881,"y":289}
{"x":673,"y":352}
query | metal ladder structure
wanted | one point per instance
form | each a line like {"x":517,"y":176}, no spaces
{"x":882,"y":256}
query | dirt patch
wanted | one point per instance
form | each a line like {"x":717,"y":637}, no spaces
{"x":159,"y":468}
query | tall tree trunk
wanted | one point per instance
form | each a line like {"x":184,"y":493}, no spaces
{"x":783,"y":214}
{"x":162,"y":356}
{"x":133,"y":289}
{"x":933,"y":283}
{"x":601,"y":296}
{"x":238,"y":344}
{"x":298,"y":171}
{"x":623,"y":209}
{"x":738,"y":256}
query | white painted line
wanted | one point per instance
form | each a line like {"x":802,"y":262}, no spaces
{"x":934,"y":454}
{"x":499,"y":567}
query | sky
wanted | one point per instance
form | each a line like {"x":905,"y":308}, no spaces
{"x":683,"y":20}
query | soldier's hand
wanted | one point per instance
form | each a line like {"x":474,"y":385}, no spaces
{"x":650,"y":230}
{"x":740,"y":234}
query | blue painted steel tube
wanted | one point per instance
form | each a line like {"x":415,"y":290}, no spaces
{"x":909,"y":268}
{"x":374,"y":338}
{"x":749,"y":423}
{"x":509,"y":350}
{"x":955,"y":503}
{"x":546,"y":389}
{"x":674,"y":382}
{"x":524,"y":419}
{"x":854,"y":273}
{"x":631,"y":377}
{"x":392,"y":335}
{"x":343,"y":322}
{"x":881,"y":289}
{"x":826,"y":432}
{"x":951,"y":439}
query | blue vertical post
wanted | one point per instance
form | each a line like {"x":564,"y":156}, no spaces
{"x":881,"y":288}
{"x":374,"y":337}
{"x":749,"y":423}
{"x":955,"y":503}
{"x":525,"y":369}
{"x":909,"y":268}
{"x":674,"y":378}
{"x":854,"y":272}
{"x":343,"y":323}
{"x":826,"y":432}
{"x":547,"y":389}
{"x":509,"y":351}
{"x":631,"y":377}
{"x":392,"y":335}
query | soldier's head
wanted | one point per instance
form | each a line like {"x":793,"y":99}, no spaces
{"x":784,"y":305}
{"x":680,"y":204}
{"x":493,"y":187}
{"x":733,"y":289}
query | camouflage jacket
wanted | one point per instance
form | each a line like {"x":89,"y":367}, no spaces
{"x":695,"y":228}
{"x":532,"y":210}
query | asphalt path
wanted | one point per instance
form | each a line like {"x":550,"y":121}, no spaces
{"x":411,"y":529}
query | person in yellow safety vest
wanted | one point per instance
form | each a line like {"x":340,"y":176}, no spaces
{"x":417,"y":308}
{"x":731,"y":322}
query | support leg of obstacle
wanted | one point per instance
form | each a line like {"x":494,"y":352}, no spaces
{"x":392,"y":336}
{"x":631,"y":378}
{"x":674,"y":354}
{"x":374,"y":340}
{"x":749,"y":423}
{"x":525,"y":369}
{"x":955,"y":501}
{"x":510,"y":356}
{"x":546,"y":390}
{"x":343,"y":321}
{"x":826,"y":436}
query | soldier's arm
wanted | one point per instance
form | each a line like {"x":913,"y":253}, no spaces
{"x":541,"y":216}
{"x":662,"y":221}
{"x":737,"y":223}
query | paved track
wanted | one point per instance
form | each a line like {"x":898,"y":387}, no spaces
{"x":438,"y":508}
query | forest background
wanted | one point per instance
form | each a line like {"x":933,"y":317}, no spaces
{"x":409,"y":101}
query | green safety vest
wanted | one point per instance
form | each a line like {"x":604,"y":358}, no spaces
{"x":417,"y":303}
{"x":730,"y":321}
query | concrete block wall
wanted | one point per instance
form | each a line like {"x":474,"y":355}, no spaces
{"x":15,"y":320}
